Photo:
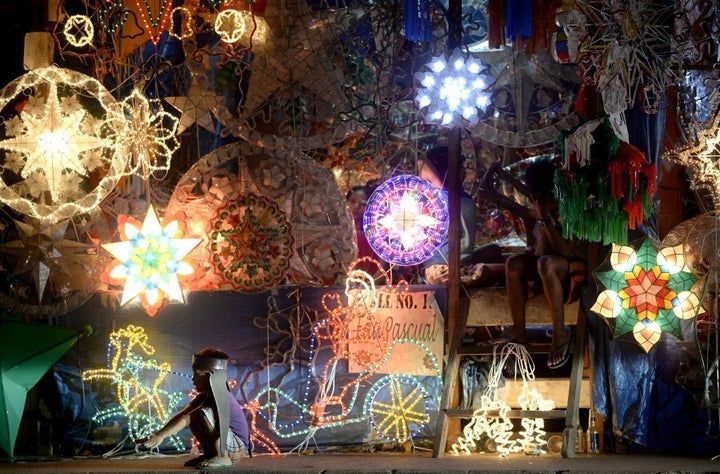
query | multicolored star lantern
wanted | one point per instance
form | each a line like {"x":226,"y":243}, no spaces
{"x":406,"y":219}
{"x":648,"y":291}
{"x":150,"y":260}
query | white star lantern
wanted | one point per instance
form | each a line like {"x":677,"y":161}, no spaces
{"x":63,"y":158}
{"x":149,"y":260}
{"x":453,"y":90}
{"x":196,"y":107}
{"x":145,"y":133}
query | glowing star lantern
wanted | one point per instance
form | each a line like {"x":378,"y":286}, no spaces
{"x":230,"y":25}
{"x":150,"y":260}
{"x":703,"y":157}
{"x":79,"y":30}
{"x":648,"y":292}
{"x":59,"y":158}
{"x":454,"y":90}
{"x":145,"y":133}
{"x":406,"y":220}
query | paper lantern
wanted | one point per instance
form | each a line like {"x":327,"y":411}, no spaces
{"x":648,"y":291}
{"x":60,"y":160}
{"x":453,"y":90}
{"x":406,"y":220}
{"x":149,"y":260}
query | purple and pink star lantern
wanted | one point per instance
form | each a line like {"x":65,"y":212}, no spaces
{"x":406,"y":220}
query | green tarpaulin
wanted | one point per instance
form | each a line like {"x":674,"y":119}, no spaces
{"x":27,"y":351}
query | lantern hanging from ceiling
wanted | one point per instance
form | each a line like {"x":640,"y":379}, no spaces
{"x":406,"y":220}
{"x":648,"y":292}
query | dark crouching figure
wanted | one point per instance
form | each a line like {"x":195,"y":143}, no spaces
{"x":215,"y":417}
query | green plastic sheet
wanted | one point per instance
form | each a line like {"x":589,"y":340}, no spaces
{"x":27,"y":351}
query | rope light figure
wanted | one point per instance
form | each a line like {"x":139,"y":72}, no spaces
{"x":491,"y":419}
{"x":140,"y":397}
{"x":398,"y":406}
{"x":79,"y":30}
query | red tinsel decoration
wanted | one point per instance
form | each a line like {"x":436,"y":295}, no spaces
{"x":625,"y":181}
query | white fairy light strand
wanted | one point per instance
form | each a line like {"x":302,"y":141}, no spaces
{"x":491,"y":418}
{"x":76,"y":136}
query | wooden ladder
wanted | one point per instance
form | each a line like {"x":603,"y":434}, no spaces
{"x":456,"y":351}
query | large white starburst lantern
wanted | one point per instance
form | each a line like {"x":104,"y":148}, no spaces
{"x":57,"y":155}
{"x":453,"y":90}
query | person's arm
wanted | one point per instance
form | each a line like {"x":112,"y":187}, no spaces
{"x":176,"y":424}
{"x":552,"y":233}
{"x":488,"y":192}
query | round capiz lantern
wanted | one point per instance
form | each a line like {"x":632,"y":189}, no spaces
{"x":58,"y":158}
{"x":259,"y":192}
{"x":406,"y":220}
{"x":251,"y":243}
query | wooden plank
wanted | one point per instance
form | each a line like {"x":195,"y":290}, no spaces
{"x":489,"y":307}
{"x":545,"y":414}
{"x":555,"y":389}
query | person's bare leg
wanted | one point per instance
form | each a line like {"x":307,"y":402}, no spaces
{"x":552,"y":269}
{"x":516,"y":269}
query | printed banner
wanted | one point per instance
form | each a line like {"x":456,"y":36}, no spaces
{"x":407,"y":329}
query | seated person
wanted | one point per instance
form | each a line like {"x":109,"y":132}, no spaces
{"x":215,"y":417}
{"x":552,"y":265}
{"x":433,"y":168}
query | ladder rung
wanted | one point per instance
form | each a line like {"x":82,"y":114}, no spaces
{"x":468,"y":413}
{"x":487,"y":349}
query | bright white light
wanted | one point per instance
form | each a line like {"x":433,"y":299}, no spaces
{"x":428,"y":82}
{"x":453,"y":94}
{"x":423,"y":100}
{"x":437,"y":65}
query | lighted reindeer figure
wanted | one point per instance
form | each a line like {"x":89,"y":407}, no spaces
{"x":138,"y":383}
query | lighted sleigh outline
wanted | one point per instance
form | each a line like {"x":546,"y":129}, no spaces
{"x":409,"y":407}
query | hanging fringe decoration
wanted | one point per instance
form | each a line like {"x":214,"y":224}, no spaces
{"x":417,"y":20}
{"x":632,"y":177}
{"x":518,"y":19}
{"x":601,"y":198}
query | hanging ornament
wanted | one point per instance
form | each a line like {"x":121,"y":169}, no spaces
{"x":632,"y":179}
{"x":79,"y":30}
{"x":453,"y":90}
{"x":406,"y":220}
{"x":196,"y":106}
{"x":146,"y":134}
{"x":648,"y":291}
{"x":251,"y":243}
{"x":416,"y":14}
{"x":150,"y":260}
{"x":630,"y":43}
{"x":62,"y":159}
{"x":703,"y":156}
